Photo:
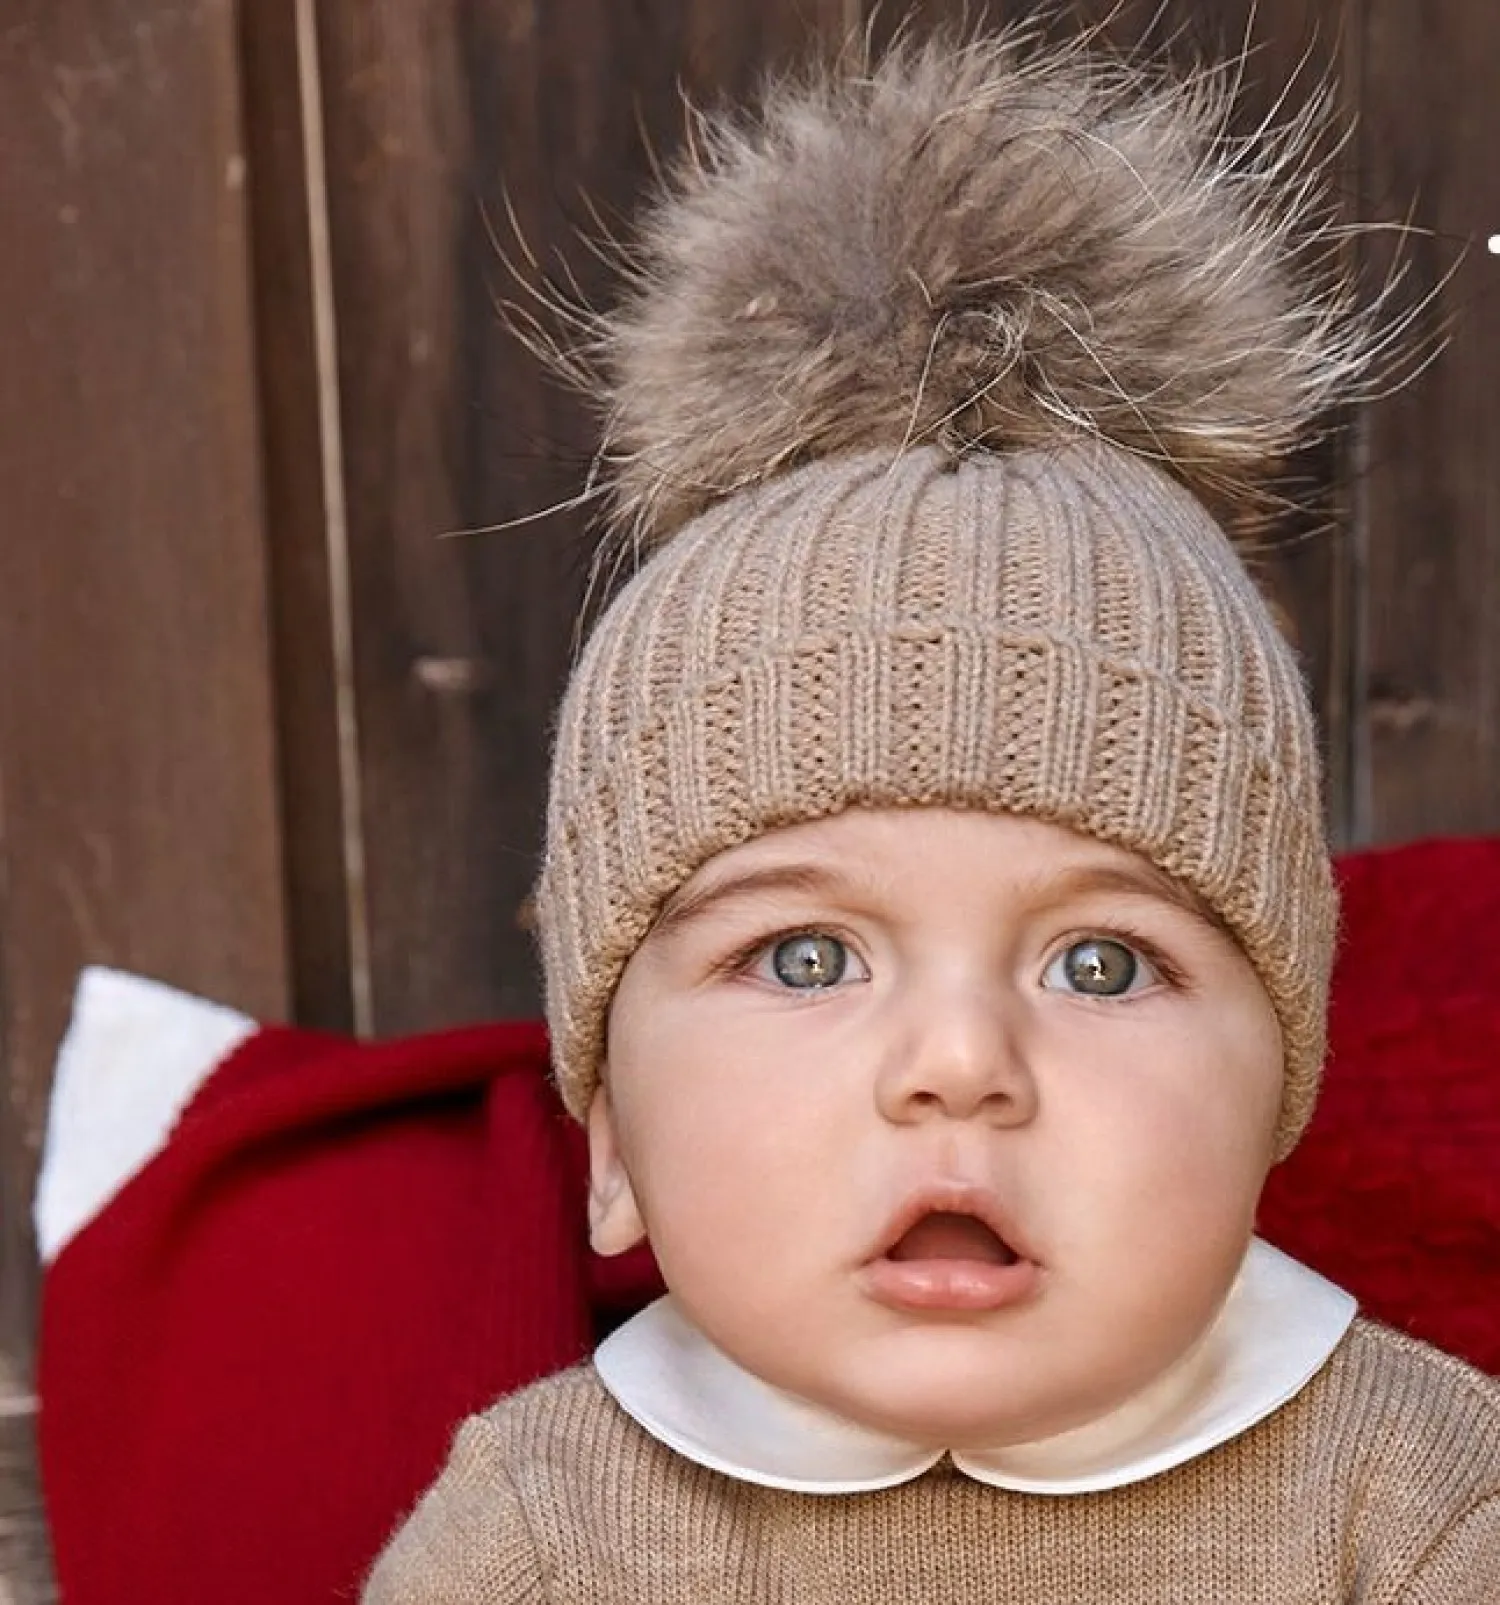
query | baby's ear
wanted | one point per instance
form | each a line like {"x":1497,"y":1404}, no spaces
{"x":615,"y":1222}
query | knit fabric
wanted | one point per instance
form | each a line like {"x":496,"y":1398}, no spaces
{"x":1063,"y":634}
{"x":1379,"y":1484}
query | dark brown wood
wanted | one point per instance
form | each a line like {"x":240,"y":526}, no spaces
{"x":25,"y":1564}
{"x":435,"y":114}
{"x":295,"y":324}
{"x":1429,"y":709}
{"x":136,"y":738}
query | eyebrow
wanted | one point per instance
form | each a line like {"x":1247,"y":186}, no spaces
{"x":1130,"y":880}
{"x":684,"y":908}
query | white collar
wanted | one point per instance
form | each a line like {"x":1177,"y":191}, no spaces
{"x":1276,"y":1330}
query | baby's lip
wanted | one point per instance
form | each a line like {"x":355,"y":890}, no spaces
{"x":948,"y":1197}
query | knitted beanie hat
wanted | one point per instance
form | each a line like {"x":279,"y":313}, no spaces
{"x":936,"y":390}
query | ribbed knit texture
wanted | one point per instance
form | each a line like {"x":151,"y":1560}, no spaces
{"x":1064,"y":634}
{"x":1378,"y":1485}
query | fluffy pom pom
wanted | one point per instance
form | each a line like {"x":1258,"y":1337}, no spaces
{"x":981,"y":245}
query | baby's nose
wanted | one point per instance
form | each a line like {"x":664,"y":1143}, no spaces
{"x":961,"y":1059}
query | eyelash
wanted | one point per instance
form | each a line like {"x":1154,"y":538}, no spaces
{"x":739,"y":960}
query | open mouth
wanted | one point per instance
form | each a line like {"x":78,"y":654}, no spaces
{"x":946,"y":1234}
{"x":949,"y":1255}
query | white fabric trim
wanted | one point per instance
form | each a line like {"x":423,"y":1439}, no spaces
{"x":134,"y":1054}
{"x":1276,"y":1331}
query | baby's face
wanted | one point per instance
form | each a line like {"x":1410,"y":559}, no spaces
{"x":951,"y":1122}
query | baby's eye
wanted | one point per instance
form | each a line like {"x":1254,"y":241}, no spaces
{"x":1099,"y":967}
{"x":807,"y":962}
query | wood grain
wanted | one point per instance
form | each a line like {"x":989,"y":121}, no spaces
{"x":1429,"y":681}
{"x":295,"y":323}
{"x":136,"y":736}
{"x":25,"y":1564}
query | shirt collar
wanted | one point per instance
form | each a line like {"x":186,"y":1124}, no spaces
{"x":1274,"y":1333}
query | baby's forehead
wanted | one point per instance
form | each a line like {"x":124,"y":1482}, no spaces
{"x":892,"y":854}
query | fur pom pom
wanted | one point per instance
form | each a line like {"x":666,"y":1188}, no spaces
{"x":982,"y":246}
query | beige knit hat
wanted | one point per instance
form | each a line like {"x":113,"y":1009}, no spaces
{"x":927,"y":382}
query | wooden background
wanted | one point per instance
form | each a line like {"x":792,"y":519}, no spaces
{"x":263,"y":733}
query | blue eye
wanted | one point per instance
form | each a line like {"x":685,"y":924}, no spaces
{"x":1099,"y":967}
{"x":809,"y":961}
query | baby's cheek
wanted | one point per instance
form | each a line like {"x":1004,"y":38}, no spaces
{"x":717,"y":1249}
{"x":1149,"y":1163}
{"x":732,"y":1195}
{"x":1196,"y":1219}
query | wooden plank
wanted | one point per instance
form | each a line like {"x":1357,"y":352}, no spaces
{"x":1430,"y":706}
{"x":25,"y":1564}
{"x":1306,"y":561}
{"x":461,"y":645}
{"x":139,"y":780}
{"x":298,"y":382}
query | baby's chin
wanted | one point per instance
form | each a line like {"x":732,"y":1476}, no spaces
{"x":949,"y":1398}
{"x":947,"y":1418}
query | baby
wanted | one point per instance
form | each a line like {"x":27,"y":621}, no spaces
{"x":936,"y":912}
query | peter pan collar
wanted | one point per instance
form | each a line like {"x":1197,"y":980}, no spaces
{"x":1278,"y":1327}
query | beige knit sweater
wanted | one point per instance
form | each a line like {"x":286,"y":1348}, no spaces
{"x":1378,"y":1485}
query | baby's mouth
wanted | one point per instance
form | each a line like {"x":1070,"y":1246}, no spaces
{"x":947,"y":1254}
{"x":950,"y":1235}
